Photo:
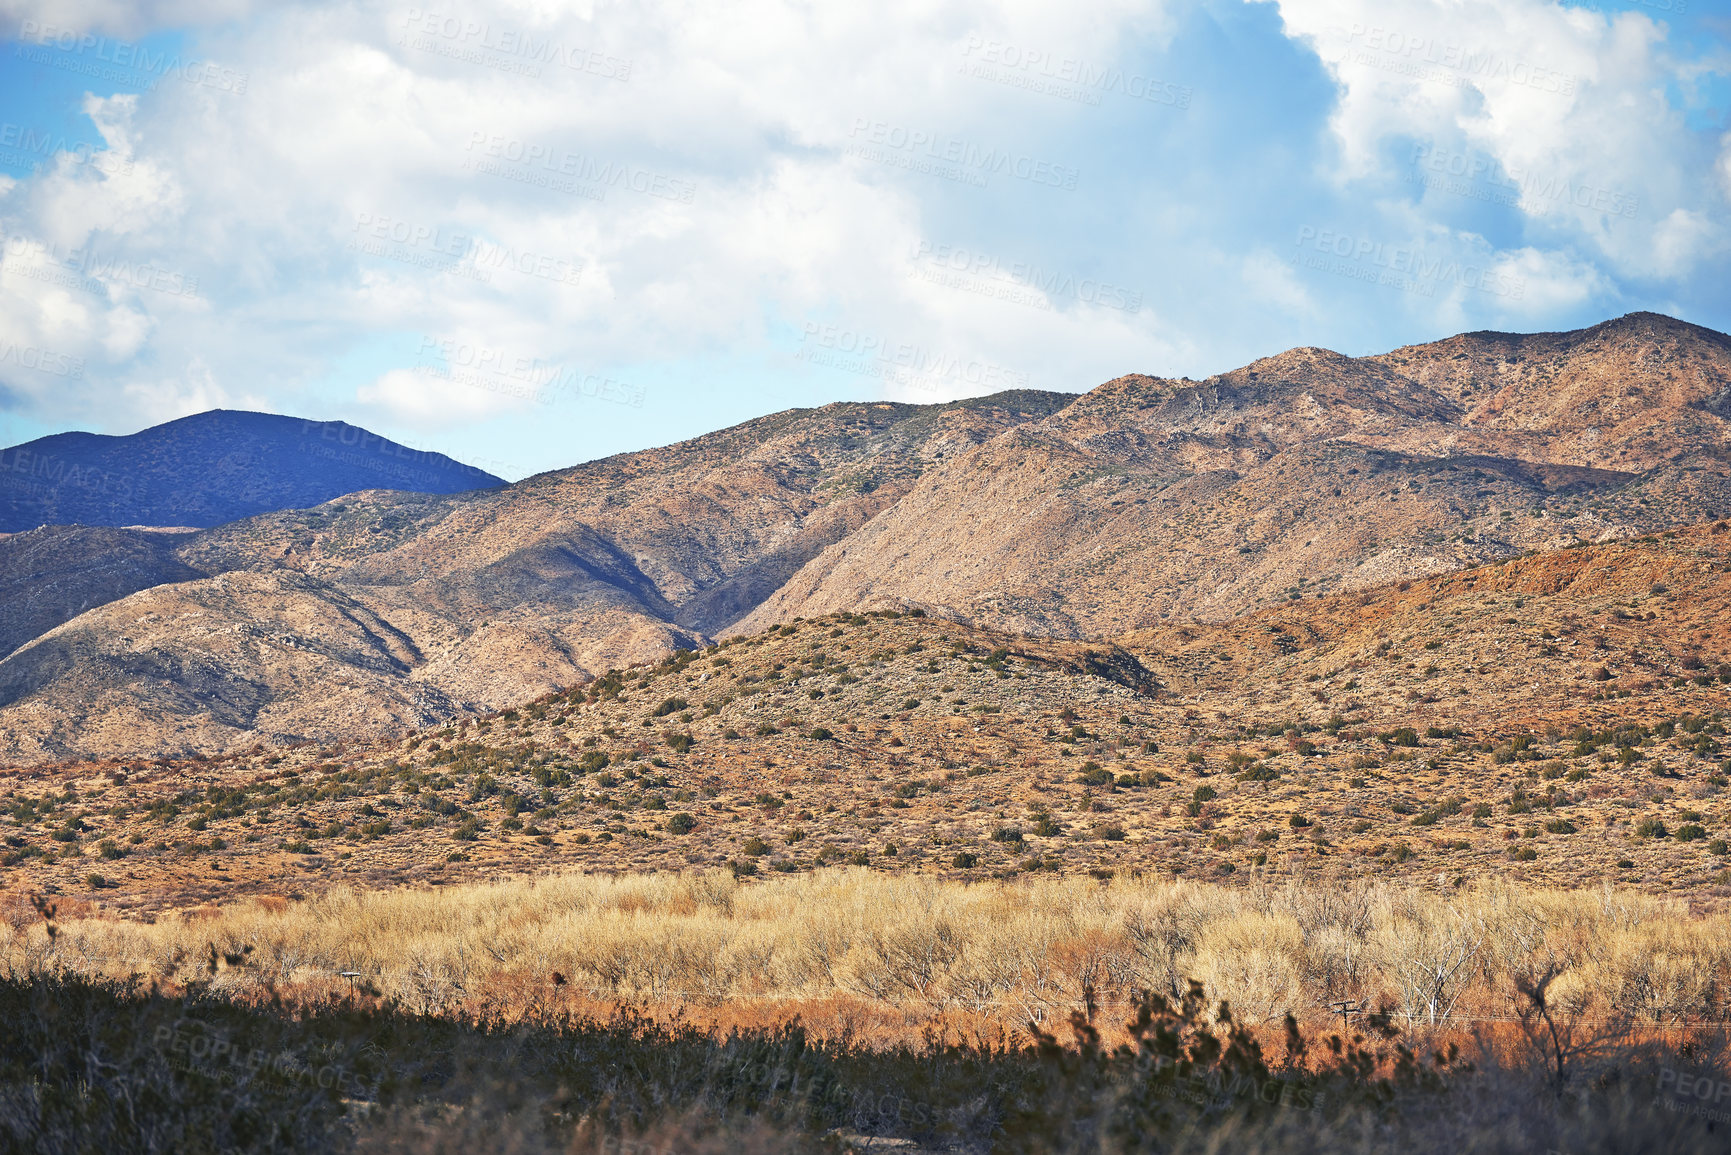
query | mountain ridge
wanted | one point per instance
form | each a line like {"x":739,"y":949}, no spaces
{"x":209,"y":468}
{"x":1145,"y":501}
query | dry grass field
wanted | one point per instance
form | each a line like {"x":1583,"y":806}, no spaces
{"x":650,"y":1013}
{"x":849,"y":949}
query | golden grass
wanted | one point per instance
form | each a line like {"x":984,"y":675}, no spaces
{"x":861,"y":949}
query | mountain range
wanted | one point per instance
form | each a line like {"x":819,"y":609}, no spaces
{"x":1142,"y":504}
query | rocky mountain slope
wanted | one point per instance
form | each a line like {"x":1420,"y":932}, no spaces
{"x":1304,"y":472}
{"x":1145,"y":505}
{"x":1561,"y":714}
{"x":208,"y":469}
{"x":53,"y":574}
{"x":386,"y":609}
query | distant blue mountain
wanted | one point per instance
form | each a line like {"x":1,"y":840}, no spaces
{"x":209,"y":469}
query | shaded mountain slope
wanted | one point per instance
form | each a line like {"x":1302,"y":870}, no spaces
{"x":51,"y":575}
{"x":208,"y":469}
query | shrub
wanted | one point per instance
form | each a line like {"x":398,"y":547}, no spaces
{"x":1650,"y":827}
{"x":1093,"y":774}
{"x":1690,"y":832}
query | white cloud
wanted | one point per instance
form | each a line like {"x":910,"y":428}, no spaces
{"x":1268,"y":278}
{"x":1570,"y":106}
{"x":432,"y":396}
{"x":134,"y":18}
{"x":193,"y":391}
{"x":691,"y":194}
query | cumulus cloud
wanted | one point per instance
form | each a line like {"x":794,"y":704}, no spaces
{"x":1558,"y":112}
{"x":618,"y":191}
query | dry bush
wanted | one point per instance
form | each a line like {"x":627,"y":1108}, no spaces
{"x":903,"y":948}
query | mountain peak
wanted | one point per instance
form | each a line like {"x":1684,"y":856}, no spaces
{"x":209,"y":468}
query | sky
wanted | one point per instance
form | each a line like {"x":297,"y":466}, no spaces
{"x":528,"y":234}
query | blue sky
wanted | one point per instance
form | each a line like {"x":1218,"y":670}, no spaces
{"x":527,"y":238}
